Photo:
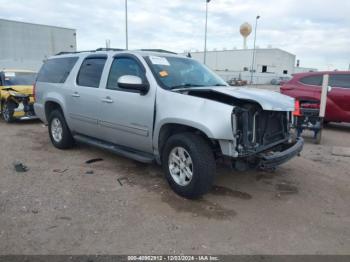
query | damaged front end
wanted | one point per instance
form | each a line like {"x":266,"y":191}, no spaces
{"x":261,"y":123}
{"x":16,"y":106}
{"x":263,"y":137}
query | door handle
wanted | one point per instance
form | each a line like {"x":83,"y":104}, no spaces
{"x":75,"y":94}
{"x":107,"y":100}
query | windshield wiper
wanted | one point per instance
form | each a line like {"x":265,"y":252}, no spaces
{"x":219,"y":85}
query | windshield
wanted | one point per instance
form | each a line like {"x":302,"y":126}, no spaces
{"x":19,"y":78}
{"x":180,"y":72}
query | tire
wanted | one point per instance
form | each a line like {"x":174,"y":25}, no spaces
{"x":59,"y":132}
{"x":318,"y":137}
{"x":325,"y":123}
{"x":7,"y":113}
{"x":203,"y":165}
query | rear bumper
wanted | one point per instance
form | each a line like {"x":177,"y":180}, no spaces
{"x":40,"y":112}
{"x":270,"y":160}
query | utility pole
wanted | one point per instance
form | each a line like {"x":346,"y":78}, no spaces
{"x":253,"y":61}
{"x":126,"y":25}
{"x":205,"y":31}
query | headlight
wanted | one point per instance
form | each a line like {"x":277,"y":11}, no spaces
{"x":17,"y":95}
{"x":12,"y":93}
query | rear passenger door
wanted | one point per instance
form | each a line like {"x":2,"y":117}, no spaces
{"x":84,"y":106}
{"x":126,"y":115}
{"x":311,"y":86}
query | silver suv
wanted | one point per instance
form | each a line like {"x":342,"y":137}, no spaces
{"x":162,"y":107}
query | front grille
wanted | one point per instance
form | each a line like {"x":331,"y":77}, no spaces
{"x":271,"y":126}
{"x":259,"y":129}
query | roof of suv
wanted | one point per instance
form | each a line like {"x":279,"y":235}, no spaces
{"x":142,"y":52}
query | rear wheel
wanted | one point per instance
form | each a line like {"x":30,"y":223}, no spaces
{"x":189,"y":164}
{"x":59,"y":132}
{"x":8,"y":111}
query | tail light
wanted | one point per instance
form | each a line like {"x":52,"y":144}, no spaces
{"x":34,"y":92}
{"x":297,"y":111}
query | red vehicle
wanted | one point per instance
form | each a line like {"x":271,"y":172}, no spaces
{"x":306,"y":87}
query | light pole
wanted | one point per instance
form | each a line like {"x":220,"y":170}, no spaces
{"x":205,"y":30}
{"x":253,"y":61}
{"x":126,"y":25}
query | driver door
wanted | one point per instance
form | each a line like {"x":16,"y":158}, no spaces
{"x":126,"y":116}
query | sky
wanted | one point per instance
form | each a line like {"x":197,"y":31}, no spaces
{"x":316,"y":31}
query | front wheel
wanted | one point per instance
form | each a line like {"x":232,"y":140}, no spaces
{"x":189,"y":165}
{"x":8,"y":112}
{"x":59,"y":132}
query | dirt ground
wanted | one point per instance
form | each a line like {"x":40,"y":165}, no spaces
{"x":117,"y":206}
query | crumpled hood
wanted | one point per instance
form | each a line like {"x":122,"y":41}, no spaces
{"x":22,"y":89}
{"x":268,"y":100}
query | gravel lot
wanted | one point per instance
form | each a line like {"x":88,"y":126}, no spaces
{"x":117,"y":206}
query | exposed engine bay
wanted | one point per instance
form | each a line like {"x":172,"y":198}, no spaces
{"x":256,"y":129}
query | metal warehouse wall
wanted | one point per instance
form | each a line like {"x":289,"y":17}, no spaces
{"x":25,"y":45}
{"x":237,"y":63}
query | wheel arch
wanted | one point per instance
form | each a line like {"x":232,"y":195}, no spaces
{"x":51,"y":105}
{"x":169,"y":129}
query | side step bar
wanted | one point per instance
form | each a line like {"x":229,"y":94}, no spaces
{"x":119,"y":150}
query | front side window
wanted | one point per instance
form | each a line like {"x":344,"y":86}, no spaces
{"x":340,"y":80}
{"x":312,"y":80}
{"x":123,"y":66}
{"x":91,"y":71}
{"x":56,"y":70}
{"x":181,"y":72}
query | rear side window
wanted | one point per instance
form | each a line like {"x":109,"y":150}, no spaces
{"x":312,"y":80}
{"x":340,"y":81}
{"x":56,"y":70}
{"x":91,"y":71}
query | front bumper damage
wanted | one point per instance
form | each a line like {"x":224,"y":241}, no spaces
{"x":270,"y":159}
{"x":21,"y":106}
{"x":24,"y":111}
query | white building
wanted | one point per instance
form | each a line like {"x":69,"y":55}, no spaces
{"x":269,"y":63}
{"x":26,"y":45}
{"x":299,"y":69}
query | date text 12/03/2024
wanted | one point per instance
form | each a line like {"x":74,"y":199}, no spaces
{"x":173,"y":258}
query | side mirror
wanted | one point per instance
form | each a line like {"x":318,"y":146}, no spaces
{"x":329,"y":88}
{"x":131,"y":82}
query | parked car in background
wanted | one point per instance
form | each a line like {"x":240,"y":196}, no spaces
{"x":16,"y":94}
{"x":307,"y":87}
{"x":157,"y":106}
{"x":237,"y":82}
{"x":280,"y":80}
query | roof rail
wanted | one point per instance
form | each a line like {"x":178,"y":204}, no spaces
{"x":115,"y":49}
{"x":66,"y":53}
{"x":159,"y":51}
{"x":96,"y":50}
{"x":73,"y":52}
{"x":109,"y":49}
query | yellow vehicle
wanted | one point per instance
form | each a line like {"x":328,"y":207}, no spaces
{"x":16,"y":94}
